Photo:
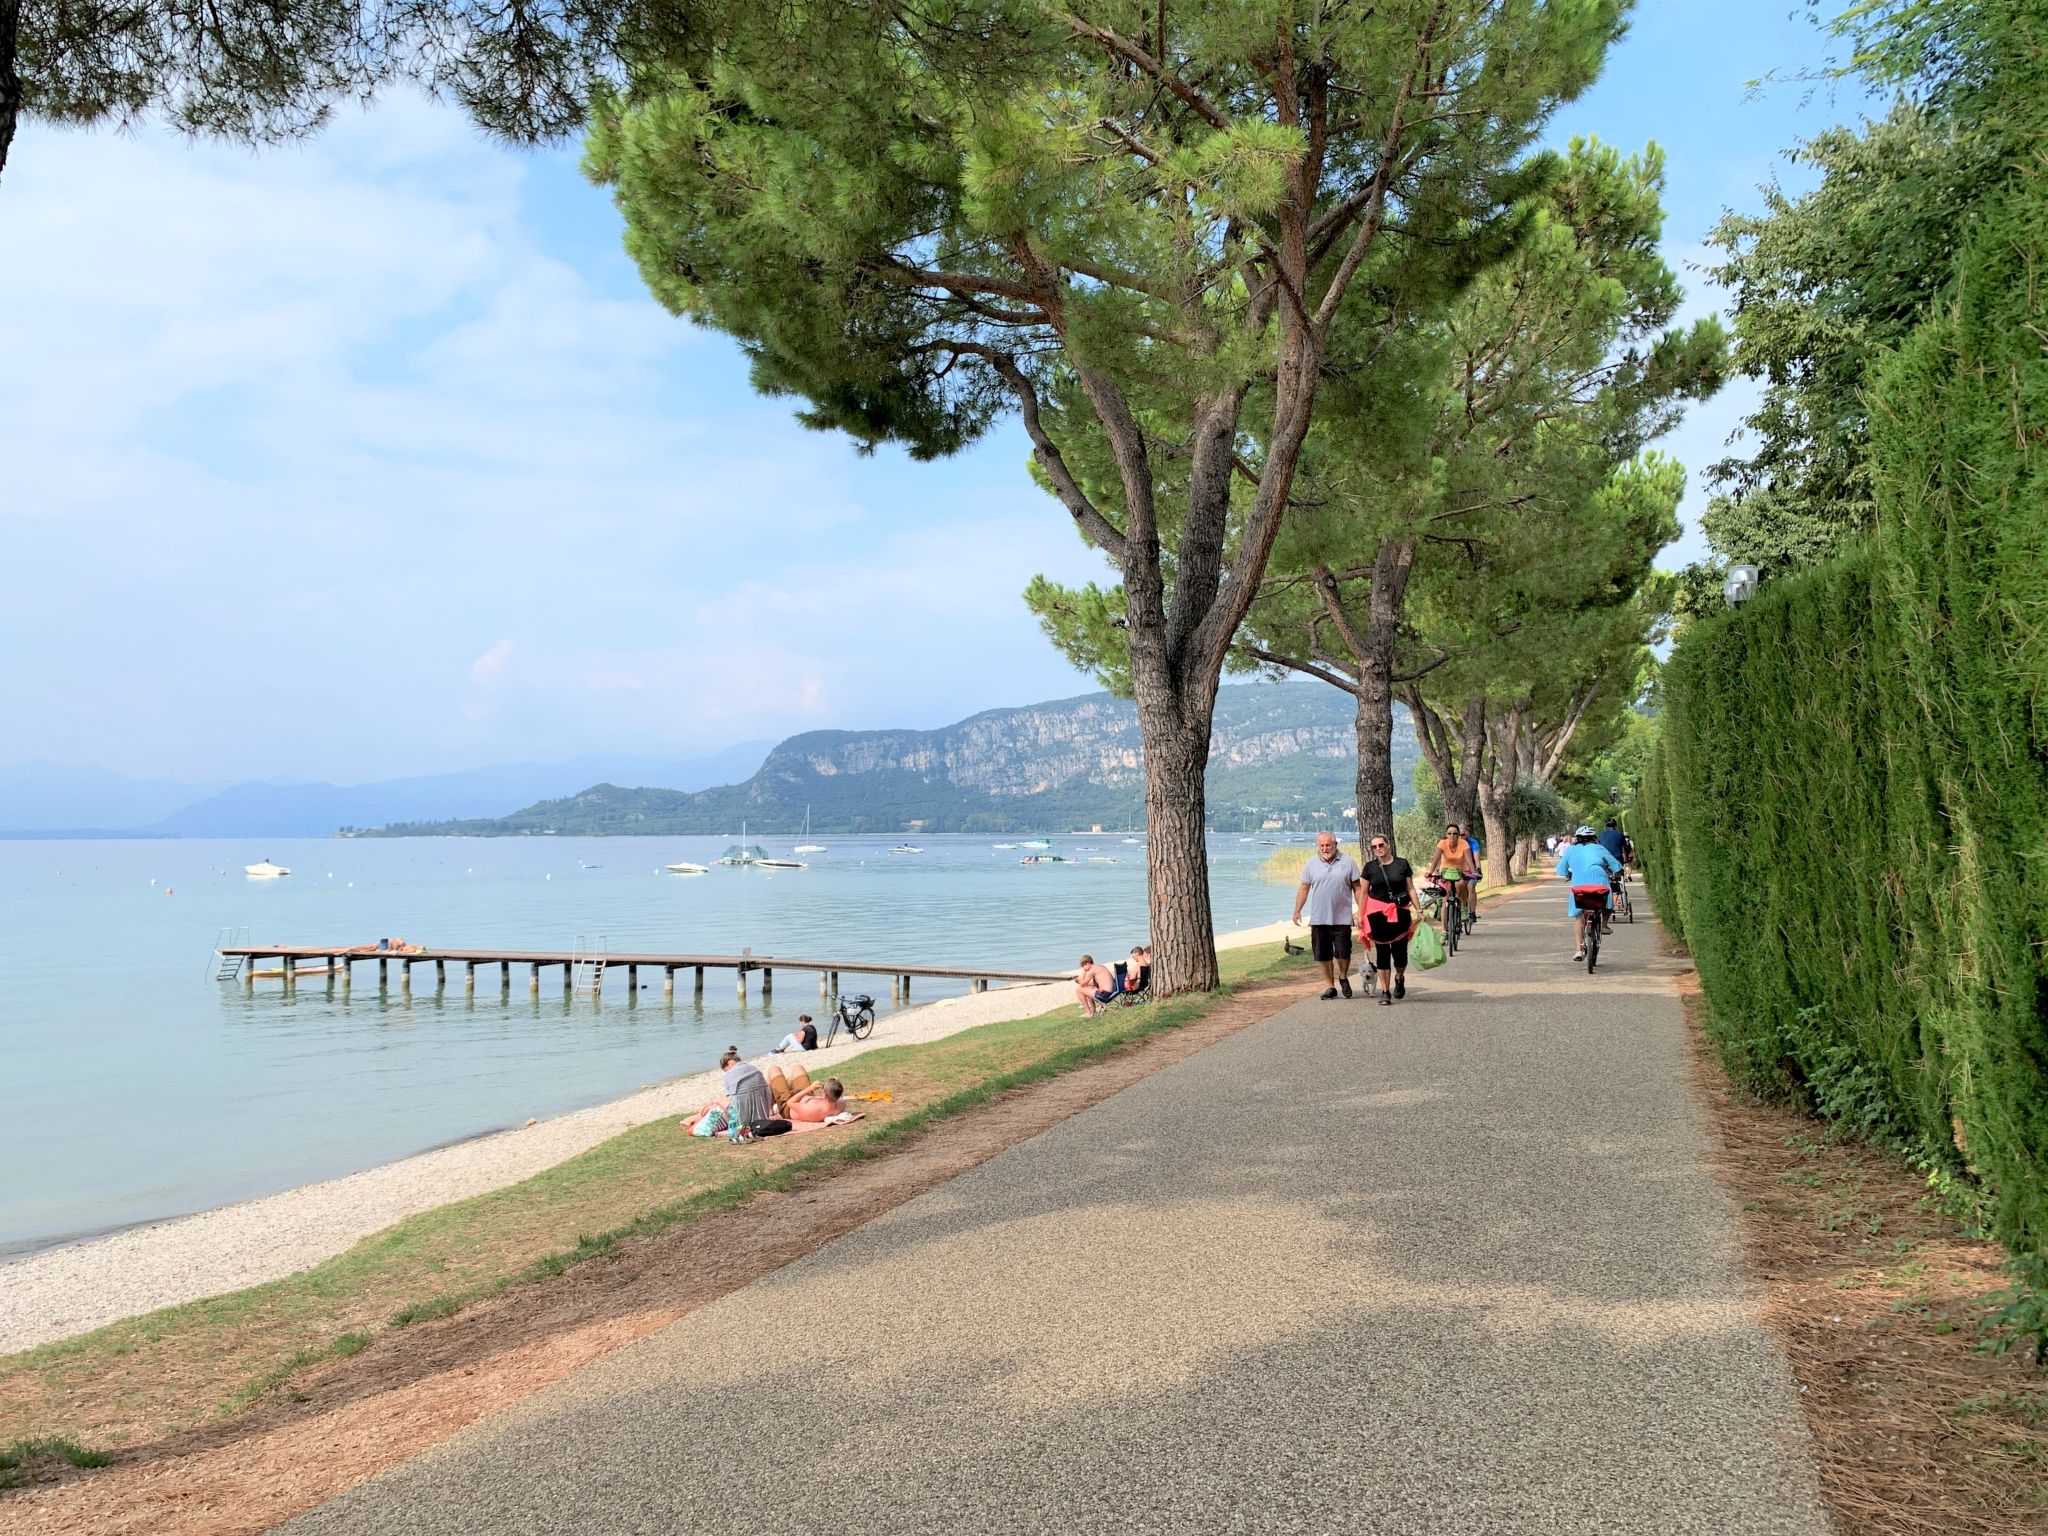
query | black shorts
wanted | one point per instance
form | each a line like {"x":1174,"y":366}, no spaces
{"x":1330,"y":941}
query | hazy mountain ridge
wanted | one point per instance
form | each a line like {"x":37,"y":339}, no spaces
{"x":47,"y":799}
{"x":1045,"y":767}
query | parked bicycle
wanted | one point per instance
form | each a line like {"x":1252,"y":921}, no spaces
{"x":856,"y":1016}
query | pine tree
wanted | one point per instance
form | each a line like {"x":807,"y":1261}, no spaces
{"x":1133,"y":228}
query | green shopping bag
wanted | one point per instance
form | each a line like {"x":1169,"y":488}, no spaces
{"x":1426,"y":948}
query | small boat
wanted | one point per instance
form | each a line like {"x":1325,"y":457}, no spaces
{"x":1004,"y":845}
{"x":1043,"y":858}
{"x":686,"y":868}
{"x":906,"y":848}
{"x":781,"y":864}
{"x":743,"y":852}
{"x":265,"y":871}
{"x":1101,"y":858}
{"x":1036,"y":842}
{"x":1131,"y":841}
{"x":807,"y":846}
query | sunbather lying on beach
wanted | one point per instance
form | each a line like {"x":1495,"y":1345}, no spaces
{"x":820,"y":1101}
{"x":746,"y":1091}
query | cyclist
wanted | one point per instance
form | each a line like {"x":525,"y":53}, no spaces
{"x":1471,"y":879}
{"x":1584,"y":863}
{"x":1452,"y":858}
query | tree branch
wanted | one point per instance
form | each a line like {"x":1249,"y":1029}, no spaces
{"x":1100,"y":530}
{"x":1296,"y":664}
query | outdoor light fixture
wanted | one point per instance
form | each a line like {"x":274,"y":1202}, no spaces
{"x":1740,"y":586}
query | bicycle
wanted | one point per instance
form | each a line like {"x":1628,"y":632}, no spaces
{"x":1624,"y":904}
{"x":856,"y":1015}
{"x":1440,"y":900}
{"x":1591,"y":901}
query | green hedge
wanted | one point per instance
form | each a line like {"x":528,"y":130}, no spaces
{"x":1847,"y":816}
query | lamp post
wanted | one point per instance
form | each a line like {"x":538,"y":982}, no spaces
{"x":1740,"y":586}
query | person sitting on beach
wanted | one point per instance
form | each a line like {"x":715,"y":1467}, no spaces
{"x":1094,"y":985}
{"x":1141,"y":968}
{"x":819,"y":1102}
{"x":803,"y":1038}
{"x":746,"y":1090}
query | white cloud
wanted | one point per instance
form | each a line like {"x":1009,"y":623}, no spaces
{"x":279,"y":424}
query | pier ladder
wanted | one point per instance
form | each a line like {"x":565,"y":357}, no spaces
{"x":588,"y":968}
{"x":227,"y":967}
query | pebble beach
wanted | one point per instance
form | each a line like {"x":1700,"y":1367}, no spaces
{"x":64,"y":1291}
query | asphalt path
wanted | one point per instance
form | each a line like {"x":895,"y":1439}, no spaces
{"x":1452,"y":1266}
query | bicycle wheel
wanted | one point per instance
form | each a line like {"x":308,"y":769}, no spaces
{"x":862,"y":1024}
{"x":1592,"y":942}
{"x":1451,"y":926}
{"x":1628,"y":903}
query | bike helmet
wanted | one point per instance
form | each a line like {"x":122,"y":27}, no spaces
{"x":1584,"y":832}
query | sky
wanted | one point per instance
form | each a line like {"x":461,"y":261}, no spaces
{"x":370,"y":456}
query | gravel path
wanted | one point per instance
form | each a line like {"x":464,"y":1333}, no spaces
{"x":1450,"y":1267}
{"x":64,"y":1291}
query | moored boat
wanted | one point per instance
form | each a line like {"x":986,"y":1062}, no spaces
{"x":684,"y":867}
{"x":265,"y":871}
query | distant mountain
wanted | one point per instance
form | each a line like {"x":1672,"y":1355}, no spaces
{"x":1071,"y":763}
{"x":46,"y":798}
{"x":50,"y":797}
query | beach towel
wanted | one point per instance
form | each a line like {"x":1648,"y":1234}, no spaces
{"x":882,"y":1097}
{"x":844,"y":1117}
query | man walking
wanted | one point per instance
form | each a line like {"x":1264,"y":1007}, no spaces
{"x":1329,"y":882}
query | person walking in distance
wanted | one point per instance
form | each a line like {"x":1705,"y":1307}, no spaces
{"x":1329,"y":882}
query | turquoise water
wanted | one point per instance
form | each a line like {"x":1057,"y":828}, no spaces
{"x":136,"y":1087}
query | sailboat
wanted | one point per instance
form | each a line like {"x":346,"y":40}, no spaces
{"x":807,"y":846}
{"x":743,"y":852}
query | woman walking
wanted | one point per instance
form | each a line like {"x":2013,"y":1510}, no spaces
{"x":1389,"y":916}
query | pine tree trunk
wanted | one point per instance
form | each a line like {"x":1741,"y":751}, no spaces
{"x":1493,"y":810}
{"x":10,"y":76}
{"x":1373,"y":647}
{"x":1374,"y":729}
{"x":1177,"y":855}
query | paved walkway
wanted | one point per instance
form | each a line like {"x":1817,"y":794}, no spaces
{"x":1448,"y":1267}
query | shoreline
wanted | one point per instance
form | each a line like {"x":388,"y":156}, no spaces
{"x":56,"y":1293}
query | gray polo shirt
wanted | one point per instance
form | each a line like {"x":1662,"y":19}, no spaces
{"x":1329,"y":887}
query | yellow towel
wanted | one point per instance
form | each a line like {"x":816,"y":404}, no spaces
{"x":881,"y":1097}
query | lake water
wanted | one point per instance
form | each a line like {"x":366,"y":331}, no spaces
{"x":133,"y":1086}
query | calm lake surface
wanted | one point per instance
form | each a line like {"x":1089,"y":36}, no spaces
{"x":136,"y":1087}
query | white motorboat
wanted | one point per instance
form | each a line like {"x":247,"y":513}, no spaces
{"x":1036,"y":842}
{"x":1002,"y":845}
{"x":781,"y":864}
{"x":265,"y":871}
{"x":1101,"y":858}
{"x":906,"y":848}
{"x":687,"y":868}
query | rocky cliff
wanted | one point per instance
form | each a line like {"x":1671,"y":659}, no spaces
{"x":1276,"y":749}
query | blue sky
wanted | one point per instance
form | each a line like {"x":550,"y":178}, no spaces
{"x":370,"y":456}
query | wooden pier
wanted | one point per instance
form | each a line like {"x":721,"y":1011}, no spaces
{"x":586,"y":970}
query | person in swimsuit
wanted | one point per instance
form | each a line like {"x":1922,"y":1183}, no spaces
{"x":819,"y":1102}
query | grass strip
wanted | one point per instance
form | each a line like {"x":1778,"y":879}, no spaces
{"x":23,"y":1460}
{"x":140,"y":1379}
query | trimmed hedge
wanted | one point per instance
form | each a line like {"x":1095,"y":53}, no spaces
{"x":1847,"y":816}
